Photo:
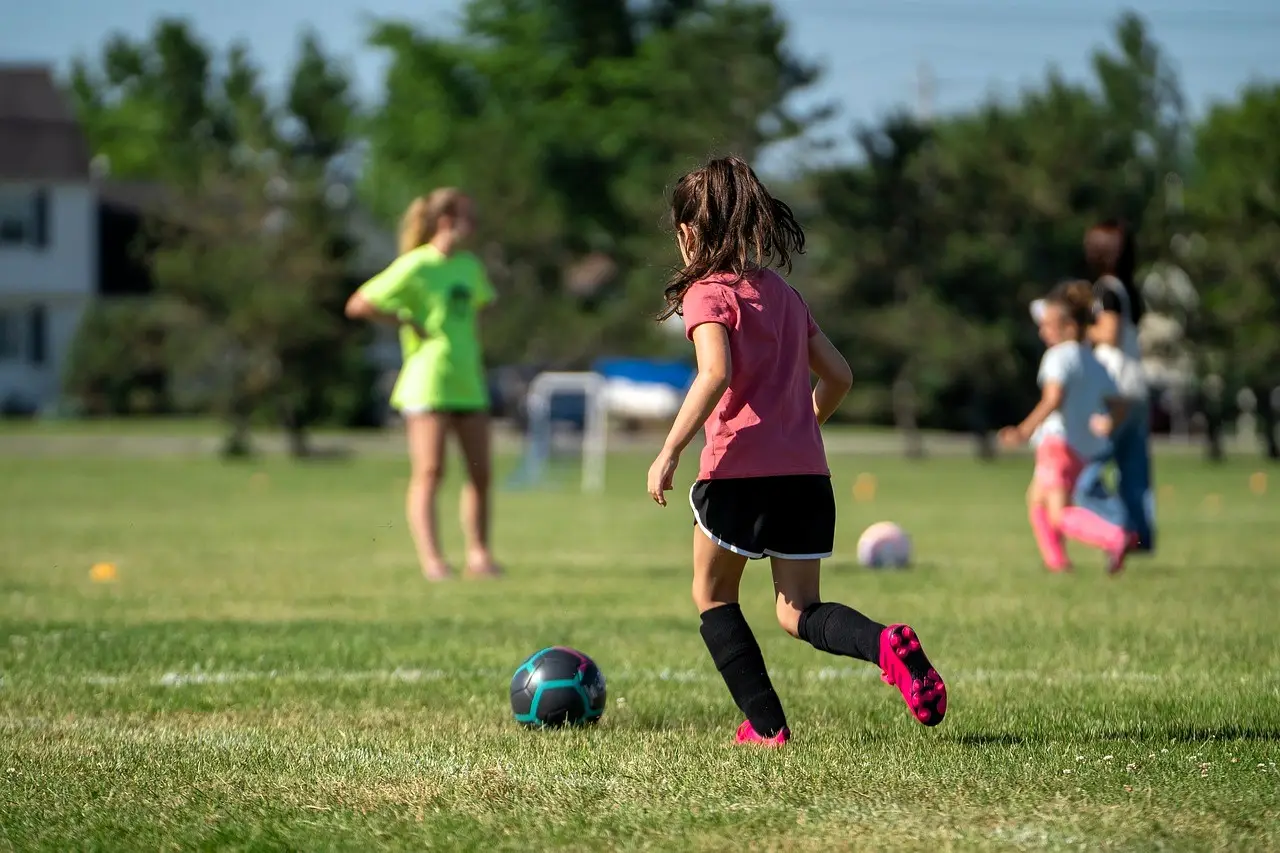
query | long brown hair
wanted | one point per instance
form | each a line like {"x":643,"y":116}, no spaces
{"x":736,"y":226}
{"x":1077,"y":300}
{"x":422,"y":218}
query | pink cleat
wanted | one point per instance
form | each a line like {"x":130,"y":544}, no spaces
{"x":748,"y":735}
{"x":904,"y":665}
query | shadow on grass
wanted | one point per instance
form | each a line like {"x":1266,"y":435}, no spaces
{"x":1263,"y":732}
{"x":1172,"y":731}
{"x":993,"y":739}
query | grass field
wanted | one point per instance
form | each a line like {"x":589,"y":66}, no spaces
{"x":268,"y":672}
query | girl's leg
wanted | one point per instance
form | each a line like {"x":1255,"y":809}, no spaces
{"x":1048,"y":537}
{"x":841,"y":630}
{"x":1091,"y":492}
{"x":828,"y":627}
{"x":717,"y":573}
{"x":473,"y":436}
{"x":1088,"y":527}
{"x":426,"y":433}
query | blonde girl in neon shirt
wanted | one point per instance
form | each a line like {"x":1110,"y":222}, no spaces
{"x":433,"y":292}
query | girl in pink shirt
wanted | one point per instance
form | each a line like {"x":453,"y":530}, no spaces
{"x":763,"y":486}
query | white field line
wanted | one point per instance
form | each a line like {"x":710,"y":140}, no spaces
{"x":197,"y":677}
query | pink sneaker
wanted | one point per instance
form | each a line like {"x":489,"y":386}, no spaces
{"x":748,"y":735}
{"x":904,"y":665}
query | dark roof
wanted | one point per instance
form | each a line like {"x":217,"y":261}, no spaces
{"x":40,"y":139}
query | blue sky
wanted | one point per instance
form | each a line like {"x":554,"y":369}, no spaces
{"x":872,"y":50}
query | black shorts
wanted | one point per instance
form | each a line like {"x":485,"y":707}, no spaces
{"x":791,"y":517}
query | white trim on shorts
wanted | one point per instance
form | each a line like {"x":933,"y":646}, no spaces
{"x":798,"y":556}
{"x":716,"y":539}
{"x":427,"y":410}
{"x":739,"y":551}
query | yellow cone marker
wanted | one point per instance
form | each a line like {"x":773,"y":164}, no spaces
{"x":1213,"y":503}
{"x":1258,"y":483}
{"x":102,"y":572}
{"x":864,"y":488}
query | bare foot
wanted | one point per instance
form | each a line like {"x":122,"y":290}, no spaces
{"x":437,"y":570}
{"x":481,"y":565}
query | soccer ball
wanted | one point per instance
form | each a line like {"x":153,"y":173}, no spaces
{"x":557,"y":686}
{"x":884,"y":545}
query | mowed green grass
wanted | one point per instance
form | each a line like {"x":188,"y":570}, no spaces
{"x":269,"y":672}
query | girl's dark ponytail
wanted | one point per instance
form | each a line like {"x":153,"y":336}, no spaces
{"x":735,"y":224}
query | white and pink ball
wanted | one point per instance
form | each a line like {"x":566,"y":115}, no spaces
{"x":884,"y":545}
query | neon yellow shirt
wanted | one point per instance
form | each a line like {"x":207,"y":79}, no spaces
{"x":442,"y":294}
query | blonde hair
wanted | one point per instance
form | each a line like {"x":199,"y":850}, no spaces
{"x":420,"y":220}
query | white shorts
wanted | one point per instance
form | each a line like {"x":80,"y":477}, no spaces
{"x":427,"y":410}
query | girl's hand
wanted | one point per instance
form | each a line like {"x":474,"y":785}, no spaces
{"x":1010,"y":437}
{"x":1101,"y":425}
{"x":405,"y":318}
{"x":418,"y":329}
{"x":661,"y":473}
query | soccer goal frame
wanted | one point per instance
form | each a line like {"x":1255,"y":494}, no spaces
{"x":595,"y":436}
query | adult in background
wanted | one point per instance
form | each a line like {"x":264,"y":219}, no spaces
{"x":1110,"y":255}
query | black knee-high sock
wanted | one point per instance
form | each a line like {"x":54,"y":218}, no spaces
{"x":737,"y":655}
{"x":840,"y":630}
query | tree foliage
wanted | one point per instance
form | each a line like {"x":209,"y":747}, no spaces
{"x":253,"y":240}
{"x":1234,"y":207}
{"x":568,"y":120}
{"x":937,"y":239}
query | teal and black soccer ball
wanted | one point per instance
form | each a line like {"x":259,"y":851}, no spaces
{"x":557,"y":686}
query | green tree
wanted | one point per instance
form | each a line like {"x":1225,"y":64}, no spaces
{"x":157,"y":109}
{"x":169,"y":110}
{"x":1234,"y":203}
{"x":244,"y":262}
{"x":566,"y":120}
{"x":324,"y":374}
{"x":930,"y":247}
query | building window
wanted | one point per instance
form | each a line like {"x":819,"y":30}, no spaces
{"x":24,"y":215}
{"x":37,"y":335}
{"x":24,"y":335}
{"x":10,"y":335}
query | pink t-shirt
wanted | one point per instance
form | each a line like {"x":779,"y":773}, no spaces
{"x":764,"y":425}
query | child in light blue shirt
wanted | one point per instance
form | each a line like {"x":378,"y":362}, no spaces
{"x":1070,"y":427}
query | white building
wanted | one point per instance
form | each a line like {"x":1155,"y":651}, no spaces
{"x":48,"y":236}
{"x":67,"y":238}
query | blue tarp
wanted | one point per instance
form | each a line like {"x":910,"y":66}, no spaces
{"x":570,"y":406}
{"x":677,"y":374}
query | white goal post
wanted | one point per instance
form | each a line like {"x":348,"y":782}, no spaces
{"x":596,"y":428}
